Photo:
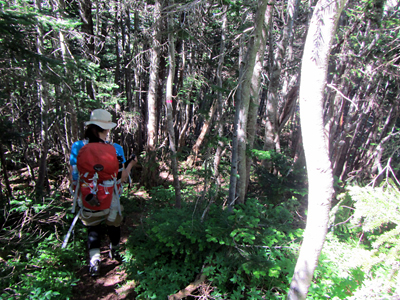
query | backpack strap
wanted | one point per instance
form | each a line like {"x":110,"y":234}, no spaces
{"x":76,"y":198}
{"x":117,"y":197}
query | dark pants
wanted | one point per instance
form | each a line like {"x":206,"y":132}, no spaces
{"x":95,"y":232}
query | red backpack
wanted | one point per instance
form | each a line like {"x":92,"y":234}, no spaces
{"x":97,"y":165}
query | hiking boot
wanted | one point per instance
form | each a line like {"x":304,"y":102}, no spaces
{"x":114,"y":252}
{"x":94,"y":268}
{"x":115,"y":255}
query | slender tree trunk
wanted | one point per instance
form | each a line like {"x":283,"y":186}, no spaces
{"x":185,"y":127}
{"x":43,"y":103}
{"x":292,"y":8}
{"x":117,"y":25}
{"x":127,"y":55}
{"x":277,"y":60}
{"x":255,"y":89}
{"x":320,"y":190}
{"x":87,"y":29}
{"x":243,"y":101}
{"x":170,"y":122}
{"x":220,"y":128}
{"x":5,"y":176}
{"x":149,"y":177}
{"x":204,"y":130}
{"x":70,"y":117}
{"x":152,"y":92}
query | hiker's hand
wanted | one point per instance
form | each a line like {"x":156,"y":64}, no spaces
{"x":125,"y":172}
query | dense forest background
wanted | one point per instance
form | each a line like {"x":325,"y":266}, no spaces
{"x":207,"y":94}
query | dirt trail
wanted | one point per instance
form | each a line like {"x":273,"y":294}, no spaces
{"x":112,"y":283}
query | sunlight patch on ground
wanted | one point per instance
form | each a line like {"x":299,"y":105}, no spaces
{"x":126,"y":289}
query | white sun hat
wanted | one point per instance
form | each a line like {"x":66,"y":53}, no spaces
{"x":101,"y":118}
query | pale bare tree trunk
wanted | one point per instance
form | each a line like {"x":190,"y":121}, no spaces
{"x":242,"y":108}
{"x":149,"y":174}
{"x":315,"y":140}
{"x":170,"y":121}
{"x":221,"y":144}
{"x":255,"y":89}
{"x":152,"y":93}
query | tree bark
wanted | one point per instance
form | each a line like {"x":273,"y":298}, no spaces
{"x":243,"y":101}
{"x":5,"y":176}
{"x":149,"y":175}
{"x":255,"y":89}
{"x":87,"y":29}
{"x":320,"y":190}
{"x":220,"y":129}
{"x":170,"y":122}
{"x":43,"y":104}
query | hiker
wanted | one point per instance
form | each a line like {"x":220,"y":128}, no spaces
{"x":97,"y":130}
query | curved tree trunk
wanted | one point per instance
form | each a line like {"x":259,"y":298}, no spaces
{"x":204,"y":130}
{"x":320,"y":190}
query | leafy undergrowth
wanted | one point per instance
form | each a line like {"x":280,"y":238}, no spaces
{"x":245,"y":254}
{"x":360,"y":258}
{"x":33,"y":264}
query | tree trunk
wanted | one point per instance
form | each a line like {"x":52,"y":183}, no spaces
{"x":255,"y":90}
{"x":204,"y":130}
{"x":149,"y":174}
{"x":43,"y":104}
{"x":5,"y":176}
{"x":243,"y":101}
{"x":87,"y":29}
{"x":320,"y":190}
{"x":170,"y":122}
{"x":220,"y":131}
{"x":152,"y":92}
{"x":70,"y":117}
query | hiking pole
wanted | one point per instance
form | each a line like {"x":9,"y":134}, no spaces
{"x":70,"y":231}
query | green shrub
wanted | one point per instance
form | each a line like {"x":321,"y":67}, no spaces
{"x":247,"y":254}
{"x":280,"y":181}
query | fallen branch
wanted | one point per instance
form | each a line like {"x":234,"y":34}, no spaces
{"x":187,"y":291}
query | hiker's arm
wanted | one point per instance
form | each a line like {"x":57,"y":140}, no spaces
{"x":125,"y":172}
